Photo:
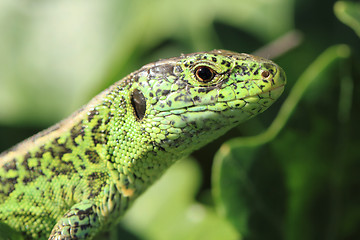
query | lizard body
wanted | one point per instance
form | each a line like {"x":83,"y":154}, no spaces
{"x":78,"y":177}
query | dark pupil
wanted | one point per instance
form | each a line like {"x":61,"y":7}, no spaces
{"x":204,"y":74}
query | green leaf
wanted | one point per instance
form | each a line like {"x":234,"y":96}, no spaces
{"x":56,"y":55}
{"x":168,"y":209}
{"x":281,"y":188}
{"x":349,"y":14}
{"x":251,"y":190}
{"x":7,"y":233}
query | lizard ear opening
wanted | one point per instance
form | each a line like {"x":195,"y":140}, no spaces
{"x":138,"y":102}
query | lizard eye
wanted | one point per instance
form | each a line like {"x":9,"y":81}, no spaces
{"x":204,"y":74}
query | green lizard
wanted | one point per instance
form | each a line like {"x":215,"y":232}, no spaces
{"x":78,"y":177}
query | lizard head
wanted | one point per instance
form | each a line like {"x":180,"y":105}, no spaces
{"x":197,"y":97}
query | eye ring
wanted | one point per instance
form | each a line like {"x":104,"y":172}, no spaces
{"x":204,"y":74}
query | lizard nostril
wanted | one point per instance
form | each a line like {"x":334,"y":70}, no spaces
{"x":265,"y":74}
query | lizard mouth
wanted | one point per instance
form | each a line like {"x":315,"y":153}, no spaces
{"x":273,"y":93}
{"x":276,"y":92}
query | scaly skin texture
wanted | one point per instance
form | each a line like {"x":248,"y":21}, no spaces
{"x":78,"y":177}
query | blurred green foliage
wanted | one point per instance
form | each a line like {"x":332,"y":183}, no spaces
{"x":297,"y":179}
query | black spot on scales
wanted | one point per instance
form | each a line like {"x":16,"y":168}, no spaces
{"x":206,"y":89}
{"x":60,"y":149}
{"x":11,"y":182}
{"x":158,"y":91}
{"x":165,"y":92}
{"x":84,"y":213}
{"x":66,"y":169}
{"x":183,"y":98}
{"x":92,"y":156}
{"x":20,"y":197}
{"x":25,"y":161}
{"x":96,"y":175}
{"x":40,"y":152}
{"x":100,"y":138}
{"x":11,"y":165}
{"x":91,"y":114}
{"x":95,"y":216}
{"x":93,"y":179}
{"x":178,"y":69}
{"x":77,"y":130}
{"x":107,"y":103}
{"x":26,"y":180}
{"x":110,"y":116}
{"x":112,"y":197}
{"x":97,"y":126}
